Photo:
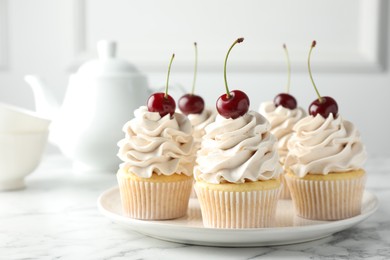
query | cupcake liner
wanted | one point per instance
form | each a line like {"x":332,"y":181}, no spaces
{"x":327,"y":199}
{"x":237,"y":209}
{"x":154,"y":200}
{"x":285,"y":191}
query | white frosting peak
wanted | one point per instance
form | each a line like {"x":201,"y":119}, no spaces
{"x":199,"y":123}
{"x":320,"y":146}
{"x":152,"y":143}
{"x":238,"y":150}
{"x":282,"y":121}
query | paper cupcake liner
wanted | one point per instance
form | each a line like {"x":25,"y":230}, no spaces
{"x":154,"y":200}
{"x":285,"y":191}
{"x":326,"y":199}
{"x":235,"y":209}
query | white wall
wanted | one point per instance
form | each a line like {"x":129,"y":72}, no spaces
{"x":350,"y":63}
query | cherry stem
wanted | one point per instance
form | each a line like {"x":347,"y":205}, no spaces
{"x":311,"y":77}
{"x":288,"y":68}
{"x":224,"y":67}
{"x":195,"y":68}
{"x":169,"y":72}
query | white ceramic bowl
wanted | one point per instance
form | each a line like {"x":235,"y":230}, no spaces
{"x":17,"y":120}
{"x":20,"y":154}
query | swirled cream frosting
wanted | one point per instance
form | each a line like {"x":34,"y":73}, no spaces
{"x":282,"y":121}
{"x":155,"y":144}
{"x":238,"y":150}
{"x":199,"y":123}
{"x":322,"y":145}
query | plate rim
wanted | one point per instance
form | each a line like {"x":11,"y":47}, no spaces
{"x":325,"y":225}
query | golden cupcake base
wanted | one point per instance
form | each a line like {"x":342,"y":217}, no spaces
{"x":247,"y":205}
{"x":333,"y":196}
{"x":157,"y":198}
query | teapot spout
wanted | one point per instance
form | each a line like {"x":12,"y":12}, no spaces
{"x":45,"y":102}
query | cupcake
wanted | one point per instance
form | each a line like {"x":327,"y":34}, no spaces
{"x":199,"y":123}
{"x":282,"y":114}
{"x":282,"y":120}
{"x":155,"y":178}
{"x":237,"y":173}
{"x":237,"y":170}
{"x":193,"y":106}
{"x":325,"y":163}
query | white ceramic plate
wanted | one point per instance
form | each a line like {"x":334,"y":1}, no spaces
{"x":289,"y":228}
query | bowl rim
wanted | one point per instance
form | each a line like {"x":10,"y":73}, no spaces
{"x":23,"y":133}
{"x":24,"y":111}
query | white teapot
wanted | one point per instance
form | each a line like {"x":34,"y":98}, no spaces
{"x":99,"y":100}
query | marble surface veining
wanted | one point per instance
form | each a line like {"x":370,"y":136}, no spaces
{"x":56,"y":217}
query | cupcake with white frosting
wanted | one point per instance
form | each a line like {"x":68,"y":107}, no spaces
{"x":282,"y":120}
{"x":325,"y":162}
{"x":237,"y":173}
{"x":283,"y":113}
{"x":155,"y":178}
{"x":193,"y":106}
{"x":199,"y":122}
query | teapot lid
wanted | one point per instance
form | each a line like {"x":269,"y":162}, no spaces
{"x":107,"y":64}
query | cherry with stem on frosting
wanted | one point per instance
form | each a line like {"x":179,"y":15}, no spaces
{"x":191,"y":103}
{"x":323,"y":105}
{"x":285,"y":99}
{"x":234,"y":103}
{"x":161,"y":102}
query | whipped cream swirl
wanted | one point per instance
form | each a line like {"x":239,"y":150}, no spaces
{"x":238,"y":150}
{"x":199,"y":123}
{"x":282,"y":121}
{"x":322,"y":145}
{"x":155,"y":144}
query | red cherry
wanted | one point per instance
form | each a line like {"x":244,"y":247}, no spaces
{"x":234,"y":103}
{"x":162,"y":102}
{"x":191,"y":104}
{"x":285,"y":100}
{"x":324,"y":107}
{"x":233,"y":106}
{"x":157,"y":102}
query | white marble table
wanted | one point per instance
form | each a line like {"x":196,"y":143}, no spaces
{"x":56,"y":217}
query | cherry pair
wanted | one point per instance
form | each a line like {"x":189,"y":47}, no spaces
{"x":164,"y":104}
{"x":323,"y":105}
{"x":232,"y":105}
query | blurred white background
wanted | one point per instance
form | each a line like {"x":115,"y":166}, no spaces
{"x":350,"y":63}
